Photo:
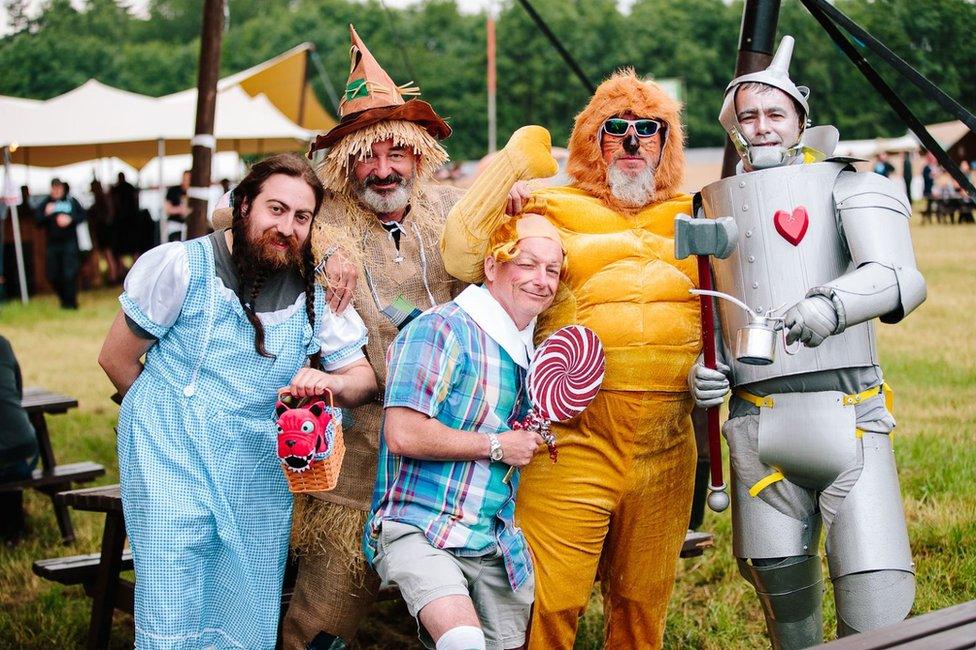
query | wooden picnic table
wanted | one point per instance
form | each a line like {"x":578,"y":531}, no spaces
{"x":51,"y":478}
{"x":953,"y":628}
{"x":99,"y":573}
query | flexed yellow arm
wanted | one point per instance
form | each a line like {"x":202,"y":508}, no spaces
{"x":471,"y":221}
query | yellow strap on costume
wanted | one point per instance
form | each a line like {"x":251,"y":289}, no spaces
{"x":857,"y":398}
{"x":755,"y":400}
{"x":765,"y":482}
{"x":849,"y":400}
{"x":889,"y":397}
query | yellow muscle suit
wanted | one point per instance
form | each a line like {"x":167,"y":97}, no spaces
{"x":616,"y":505}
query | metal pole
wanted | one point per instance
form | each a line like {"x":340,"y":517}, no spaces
{"x":492,"y":114}
{"x":18,"y":244}
{"x":203,"y":142}
{"x":756,"y":43}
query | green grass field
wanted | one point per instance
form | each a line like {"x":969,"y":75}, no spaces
{"x":930,"y":360}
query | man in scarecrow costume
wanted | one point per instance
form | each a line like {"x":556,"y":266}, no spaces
{"x":809,"y":431}
{"x":384,"y":216}
{"x":617,"y":502}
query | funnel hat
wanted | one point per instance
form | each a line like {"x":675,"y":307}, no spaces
{"x":777,"y":75}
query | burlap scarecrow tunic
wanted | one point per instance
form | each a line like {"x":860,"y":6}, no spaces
{"x":416,"y":273}
{"x":335,"y":586}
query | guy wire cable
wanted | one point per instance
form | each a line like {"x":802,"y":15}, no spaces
{"x":889,"y":95}
{"x":559,"y":46}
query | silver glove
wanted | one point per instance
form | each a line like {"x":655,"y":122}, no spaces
{"x":810,"y":321}
{"x":709,"y":387}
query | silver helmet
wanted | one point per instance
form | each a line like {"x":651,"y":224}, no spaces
{"x":776,"y":75}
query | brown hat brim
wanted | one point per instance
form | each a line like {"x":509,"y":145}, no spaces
{"x":414,"y":110}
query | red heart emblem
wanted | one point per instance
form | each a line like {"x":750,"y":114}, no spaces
{"x":792,"y":227}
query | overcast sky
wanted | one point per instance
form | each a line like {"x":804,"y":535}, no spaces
{"x":139,"y":7}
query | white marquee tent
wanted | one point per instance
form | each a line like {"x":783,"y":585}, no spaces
{"x":97,"y":121}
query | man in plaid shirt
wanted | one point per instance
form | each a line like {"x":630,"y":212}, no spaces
{"x":442,"y":525}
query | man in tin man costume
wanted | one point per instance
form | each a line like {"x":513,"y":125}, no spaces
{"x":384,"y":214}
{"x":809,"y":432}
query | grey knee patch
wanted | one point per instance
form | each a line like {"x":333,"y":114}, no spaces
{"x":791,"y":593}
{"x":867,"y":601}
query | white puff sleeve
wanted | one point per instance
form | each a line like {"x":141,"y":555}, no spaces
{"x":156,"y":286}
{"x":341,"y":339}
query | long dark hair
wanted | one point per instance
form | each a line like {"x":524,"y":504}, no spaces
{"x":251,"y":279}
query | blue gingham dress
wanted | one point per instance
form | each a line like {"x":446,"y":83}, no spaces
{"x":207,"y":508}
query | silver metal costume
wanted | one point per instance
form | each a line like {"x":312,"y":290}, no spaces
{"x":768,"y":272}
{"x":809,"y":432}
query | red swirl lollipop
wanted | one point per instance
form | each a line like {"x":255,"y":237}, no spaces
{"x":566,"y":372}
{"x":563,"y":378}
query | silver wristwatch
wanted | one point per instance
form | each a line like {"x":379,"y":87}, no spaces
{"x":495,"y":452}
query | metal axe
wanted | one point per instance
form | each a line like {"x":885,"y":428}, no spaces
{"x":706,"y":238}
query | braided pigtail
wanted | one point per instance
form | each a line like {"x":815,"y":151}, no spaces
{"x":308,"y":273}
{"x":253,"y":317}
{"x":246,"y":278}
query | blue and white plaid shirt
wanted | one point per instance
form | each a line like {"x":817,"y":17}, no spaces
{"x":447,"y":367}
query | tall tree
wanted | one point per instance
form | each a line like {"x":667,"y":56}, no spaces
{"x":443,"y":51}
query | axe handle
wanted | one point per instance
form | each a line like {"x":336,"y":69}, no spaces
{"x":708,"y":345}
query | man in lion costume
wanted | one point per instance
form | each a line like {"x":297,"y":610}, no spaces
{"x":616,"y":505}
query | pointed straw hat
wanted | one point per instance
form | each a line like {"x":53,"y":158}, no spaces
{"x":371,"y":96}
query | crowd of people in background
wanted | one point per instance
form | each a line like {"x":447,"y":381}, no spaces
{"x":945,"y":200}
{"x":90,"y":240}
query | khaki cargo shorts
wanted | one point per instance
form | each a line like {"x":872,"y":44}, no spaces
{"x":424,"y":573}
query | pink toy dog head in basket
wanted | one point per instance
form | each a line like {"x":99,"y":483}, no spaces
{"x":310,"y":444}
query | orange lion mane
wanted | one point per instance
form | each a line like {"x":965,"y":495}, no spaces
{"x":621,"y":92}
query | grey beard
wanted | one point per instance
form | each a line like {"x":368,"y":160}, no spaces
{"x":633,"y":190}
{"x":386,"y":202}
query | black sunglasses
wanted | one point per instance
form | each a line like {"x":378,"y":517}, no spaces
{"x":618,"y":126}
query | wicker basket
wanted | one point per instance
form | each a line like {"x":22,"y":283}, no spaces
{"x":321,"y":475}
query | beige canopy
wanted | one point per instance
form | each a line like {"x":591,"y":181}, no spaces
{"x":259,"y":111}
{"x":97,"y":121}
